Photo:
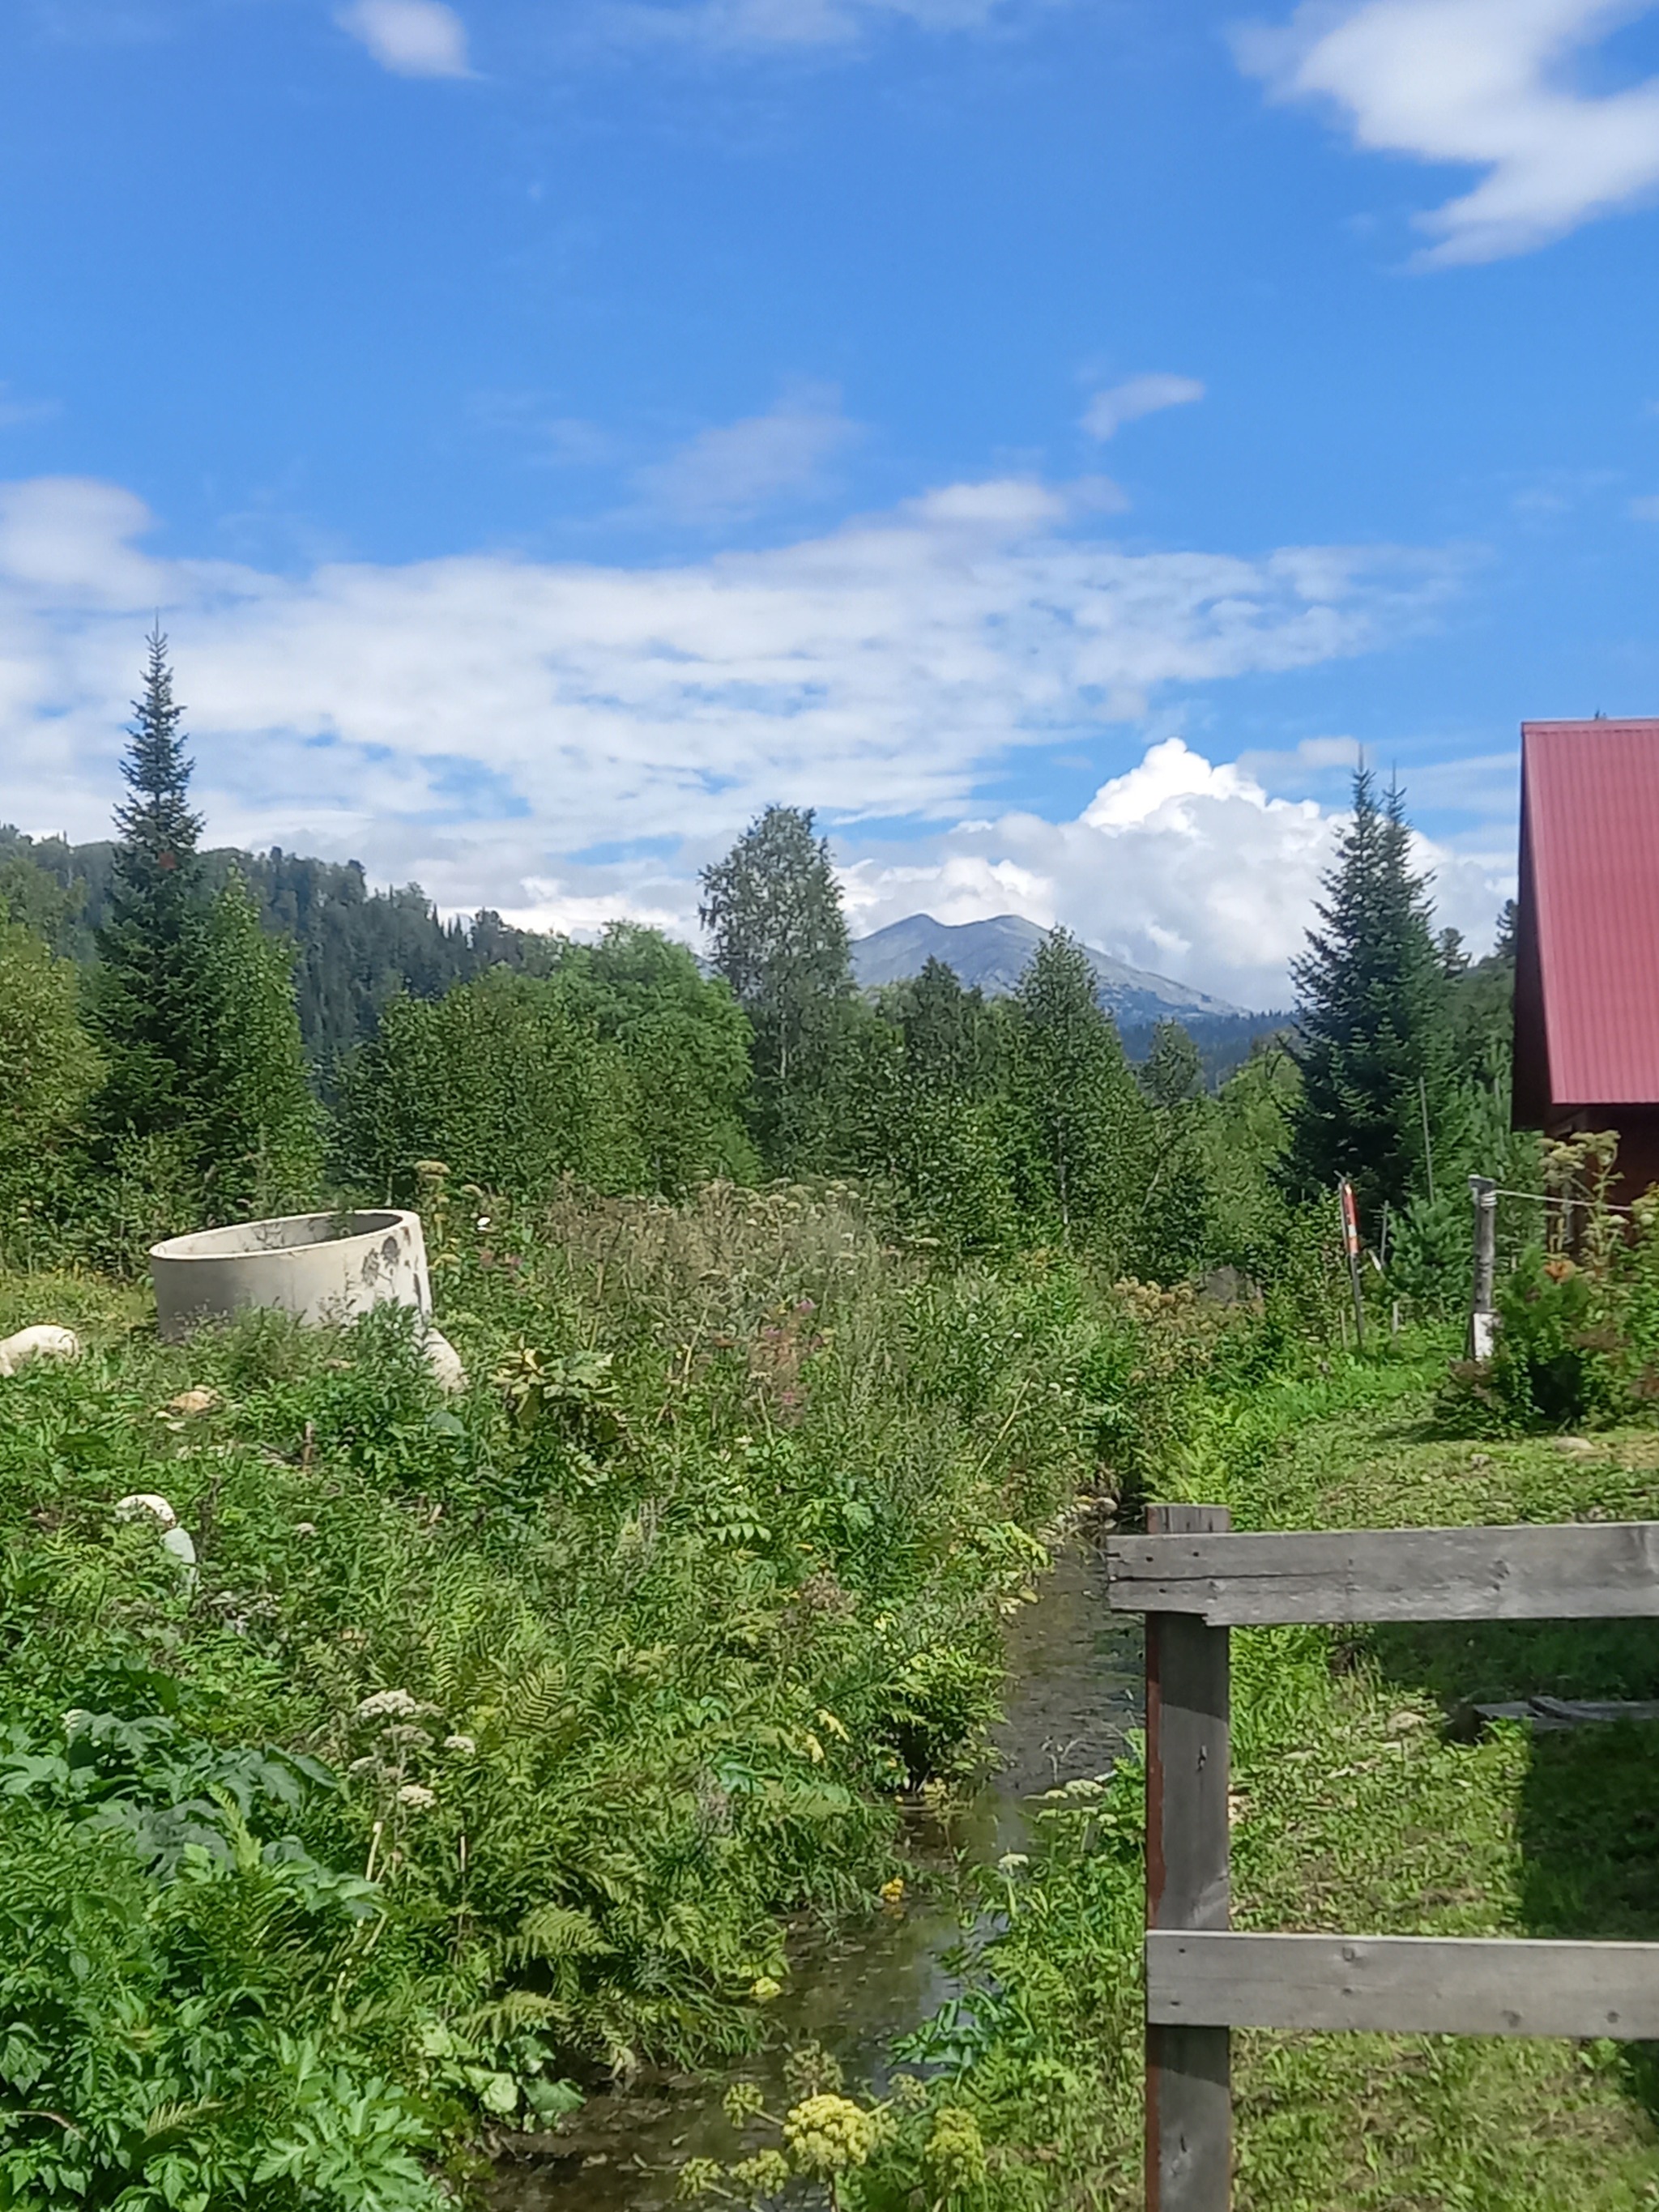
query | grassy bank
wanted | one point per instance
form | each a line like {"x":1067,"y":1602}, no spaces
{"x":1358,"y":1806}
{"x":493,"y":1742}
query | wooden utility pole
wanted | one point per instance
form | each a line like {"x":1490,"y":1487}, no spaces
{"x":1188,"y":2070}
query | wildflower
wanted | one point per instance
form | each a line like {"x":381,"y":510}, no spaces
{"x":417,"y":1797}
{"x":305,"y":1528}
{"x":956,"y":2149}
{"x":459,"y":1744}
{"x":389,"y":1704}
{"x":370,"y":1765}
{"x":743,"y":2102}
{"x":827,"y":2134}
{"x":764,"y":1989}
{"x":482,"y":1221}
{"x":698,"y":2176}
{"x":892,"y":1893}
{"x":766,"y":2174}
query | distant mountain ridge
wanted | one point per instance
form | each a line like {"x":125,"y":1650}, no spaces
{"x":994,"y":954}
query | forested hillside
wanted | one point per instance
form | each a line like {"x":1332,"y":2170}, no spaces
{"x":355,"y":949}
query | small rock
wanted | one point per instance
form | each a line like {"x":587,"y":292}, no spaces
{"x":175,"y":1542}
{"x":1576,"y":1446}
{"x":195,"y":1401}
{"x":178,"y":1541}
{"x":138,"y":1502}
{"x":445,"y":1361}
{"x":1399,"y":1723}
{"x":1479,"y":1459}
{"x":45,"y":1342}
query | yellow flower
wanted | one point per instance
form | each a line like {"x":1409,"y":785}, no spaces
{"x":956,"y":2149}
{"x":764,"y":1989}
{"x":827,"y":2134}
{"x":743,"y":2102}
{"x":893,"y":1892}
{"x":766,"y":2174}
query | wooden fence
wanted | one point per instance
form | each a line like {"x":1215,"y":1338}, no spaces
{"x":1194,"y":1578}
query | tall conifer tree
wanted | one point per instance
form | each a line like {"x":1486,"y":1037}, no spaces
{"x":1372,"y":1012}
{"x":150,"y":950}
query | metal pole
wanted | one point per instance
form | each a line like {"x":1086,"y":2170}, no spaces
{"x":1428,"y":1142}
{"x":1351,"y":1246}
{"x":1189,"y":2114}
{"x":1483,"y":1192}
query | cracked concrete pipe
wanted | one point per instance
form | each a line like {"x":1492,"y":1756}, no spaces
{"x":320,"y":1267}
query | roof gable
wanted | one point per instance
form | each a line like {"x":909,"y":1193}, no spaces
{"x":1589,"y":914}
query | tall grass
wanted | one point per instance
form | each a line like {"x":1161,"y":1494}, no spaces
{"x":497,"y":1739}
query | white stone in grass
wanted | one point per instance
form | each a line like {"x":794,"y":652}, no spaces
{"x":175,"y":1542}
{"x":45,"y":1342}
{"x":138,"y":1502}
{"x":445,"y":1361}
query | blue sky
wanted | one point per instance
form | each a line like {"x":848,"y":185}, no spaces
{"x":1047,"y":436}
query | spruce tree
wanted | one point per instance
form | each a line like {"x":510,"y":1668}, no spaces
{"x":1374,"y":1046}
{"x":150,"y":950}
{"x":773,"y":907}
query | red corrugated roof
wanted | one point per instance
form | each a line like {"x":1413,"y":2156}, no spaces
{"x":1590,"y":876}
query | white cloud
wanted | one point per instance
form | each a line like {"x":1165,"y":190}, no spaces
{"x":1108,"y":411}
{"x":483,"y":723}
{"x":1182,"y":864}
{"x":1484,"y":83}
{"x":17,"y":413}
{"x":1645,"y":509}
{"x":780,"y":24}
{"x":731,"y":473}
{"x":413,"y":37}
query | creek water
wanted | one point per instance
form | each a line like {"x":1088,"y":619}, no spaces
{"x":1073,"y":1689}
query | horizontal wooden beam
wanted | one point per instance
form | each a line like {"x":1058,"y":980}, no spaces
{"x":1403,"y":1985}
{"x":1607,"y":1570}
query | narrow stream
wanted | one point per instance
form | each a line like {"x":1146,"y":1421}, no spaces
{"x":1074,"y":1689}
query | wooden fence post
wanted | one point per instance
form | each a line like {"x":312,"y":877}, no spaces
{"x":1189,"y":2078}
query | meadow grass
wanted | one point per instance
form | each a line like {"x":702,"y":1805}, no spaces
{"x":497,"y":1742}
{"x":1362,"y":1804}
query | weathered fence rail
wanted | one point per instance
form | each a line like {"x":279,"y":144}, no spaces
{"x":1194,"y":1577}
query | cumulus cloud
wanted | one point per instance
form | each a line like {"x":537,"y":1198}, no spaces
{"x":1180,"y":865}
{"x":1481,"y":81}
{"x":728,"y":473}
{"x":1108,"y":411}
{"x":569,"y":740}
{"x":413,"y":38}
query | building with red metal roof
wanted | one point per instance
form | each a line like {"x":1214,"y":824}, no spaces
{"x":1587,"y":937}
